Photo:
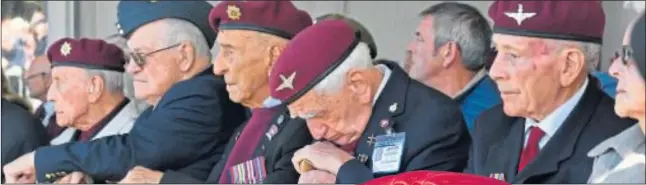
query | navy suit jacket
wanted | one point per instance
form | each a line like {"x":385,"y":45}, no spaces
{"x":498,"y":141}
{"x":436,"y":136}
{"x":187,"y":131}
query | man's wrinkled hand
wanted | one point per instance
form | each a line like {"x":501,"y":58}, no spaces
{"x":323,"y":156}
{"x":21,"y":170}
{"x":73,"y":178}
{"x":142,"y":175}
{"x":316,"y":177}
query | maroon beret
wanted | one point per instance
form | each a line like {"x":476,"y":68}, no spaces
{"x":310,"y":57}
{"x":86,"y":53}
{"x":279,"y":18}
{"x":562,"y":20}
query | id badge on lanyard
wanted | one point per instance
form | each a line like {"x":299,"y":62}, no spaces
{"x":388,"y":152}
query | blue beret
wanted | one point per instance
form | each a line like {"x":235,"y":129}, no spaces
{"x":134,"y":14}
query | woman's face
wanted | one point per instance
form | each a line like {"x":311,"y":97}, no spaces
{"x":630,"y":99}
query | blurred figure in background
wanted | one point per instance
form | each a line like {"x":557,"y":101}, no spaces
{"x":11,"y":96}
{"x":450,"y":52}
{"x":38,"y":78}
{"x":21,"y":131}
{"x":621,"y":159}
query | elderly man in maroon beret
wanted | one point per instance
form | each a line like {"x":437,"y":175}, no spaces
{"x":251,"y":36}
{"x":94,"y":106}
{"x":371,"y":120}
{"x":553,"y":111}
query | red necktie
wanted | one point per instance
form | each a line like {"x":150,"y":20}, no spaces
{"x":532,"y":149}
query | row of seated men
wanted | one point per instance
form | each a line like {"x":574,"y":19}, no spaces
{"x":324,"y":110}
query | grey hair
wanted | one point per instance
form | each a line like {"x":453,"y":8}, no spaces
{"x":464,"y":25}
{"x":591,"y":51}
{"x":178,"y":30}
{"x":359,"y":58}
{"x":113,"y":81}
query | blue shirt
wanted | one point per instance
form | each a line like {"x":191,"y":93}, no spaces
{"x":479,"y":98}
{"x":607,"y":82}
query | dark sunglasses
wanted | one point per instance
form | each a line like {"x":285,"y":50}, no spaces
{"x":140,"y":58}
{"x":625,"y":54}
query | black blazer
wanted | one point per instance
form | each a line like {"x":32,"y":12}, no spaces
{"x":436,"y":136}
{"x":498,"y":141}
{"x":278,"y":151}
{"x":186,"y":131}
{"x":22,"y":132}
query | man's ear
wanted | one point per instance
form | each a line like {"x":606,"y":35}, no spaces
{"x":96,"y":88}
{"x":187,"y":55}
{"x":357,"y":82}
{"x":574,"y":64}
{"x":449,"y":52}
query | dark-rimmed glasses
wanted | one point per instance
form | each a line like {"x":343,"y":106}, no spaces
{"x":29,"y":77}
{"x":625,"y":54}
{"x":140,"y":58}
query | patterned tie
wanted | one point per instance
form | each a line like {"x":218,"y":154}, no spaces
{"x":532,"y":149}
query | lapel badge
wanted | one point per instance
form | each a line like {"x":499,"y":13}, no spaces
{"x":237,"y":136}
{"x":66,"y":49}
{"x":393,"y":108}
{"x":520,"y":16}
{"x":233,"y":12}
{"x":498,"y":176}
{"x":280,"y":120}
{"x":384,"y":123}
{"x":288,"y":82}
{"x":272,"y":131}
{"x":371,"y":139}
{"x":363,"y":158}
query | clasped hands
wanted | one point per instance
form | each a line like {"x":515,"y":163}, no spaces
{"x":23,"y":171}
{"x":325,"y":158}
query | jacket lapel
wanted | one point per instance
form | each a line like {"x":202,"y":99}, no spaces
{"x":390,"y":104}
{"x":561,"y":146}
{"x":503,"y":156}
{"x":266,"y":148}
{"x":121,"y":123}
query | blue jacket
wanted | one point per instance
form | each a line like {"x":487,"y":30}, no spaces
{"x":608,"y":83}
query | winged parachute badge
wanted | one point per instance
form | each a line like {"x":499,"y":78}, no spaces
{"x":520,"y":16}
{"x":288,"y":82}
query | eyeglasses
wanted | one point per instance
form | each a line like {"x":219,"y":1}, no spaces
{"x":625,"y":54}
{"x":140,"y":58}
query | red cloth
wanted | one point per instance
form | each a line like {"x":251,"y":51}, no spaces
{"x":248,"y":140}
{"x":532,"y":149}
{"x":434,"y":178}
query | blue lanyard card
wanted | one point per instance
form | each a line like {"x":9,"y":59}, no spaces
{"x":388,"y":152}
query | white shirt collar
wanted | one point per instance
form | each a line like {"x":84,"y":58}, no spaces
{"x":48,"y":107}
{"x":554,"y":120}
{"x":384,"y":80}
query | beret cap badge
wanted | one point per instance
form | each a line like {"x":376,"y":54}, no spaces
{"x":233,"y":12}
{"x":520,"y":16}
{"x":287,"y":82}
{"x":66,"y":49}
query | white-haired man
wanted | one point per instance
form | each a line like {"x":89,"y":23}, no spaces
{"x":94,"y":106}
{"x":553,"y":110}
{"x":190,"y":118}
{"x":370,"y":120}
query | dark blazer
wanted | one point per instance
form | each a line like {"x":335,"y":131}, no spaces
{"x":498,"y":141}
{"x":436,"y":136}
{"x":278,"y":151}
{"x":186,"y":131}
{"x":22,"y":132}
